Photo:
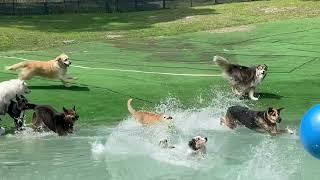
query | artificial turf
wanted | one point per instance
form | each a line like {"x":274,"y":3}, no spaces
{"x":289,"y":48}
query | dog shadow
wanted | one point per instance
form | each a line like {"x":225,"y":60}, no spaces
{"x":61,"y":87}
{"x":269,"y":96}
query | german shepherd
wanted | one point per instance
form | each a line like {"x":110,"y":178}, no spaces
{"x":261,"y":121}
{"x":47,"y":118}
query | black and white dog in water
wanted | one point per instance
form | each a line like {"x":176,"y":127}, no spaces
{"x":16,"y":110}
{"x":243,"y":80}
{"x":197,"y":144}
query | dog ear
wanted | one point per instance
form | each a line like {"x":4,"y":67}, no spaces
{"x":270,"y":109}
{"x":280,"y":109}
{"x":65,"y":110}
{"x":58,"y":58}
{"x":192,"y":144}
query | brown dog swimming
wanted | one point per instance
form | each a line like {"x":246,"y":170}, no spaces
{"x":144,"y":117}
{"x":53,"y":69}
{"x":46,"y":117}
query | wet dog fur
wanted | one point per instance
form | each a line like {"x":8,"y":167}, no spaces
{"x":260,"y":121}
{"x":16,"y":110}
{"x":198,"y":145}
{"x":53,"y":69}
{"x":47,"y":118}
{"x":243,"y":80}
{"x":145,"y":117}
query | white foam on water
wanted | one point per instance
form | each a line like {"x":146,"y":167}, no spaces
{"x":264,"y":158}
{"x":272,"y":160}
{"x":29,"y":133}
{"x":132,"y":139}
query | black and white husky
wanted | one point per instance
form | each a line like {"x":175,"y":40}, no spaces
{"x":243,"y":80}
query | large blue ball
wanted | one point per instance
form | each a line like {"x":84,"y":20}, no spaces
{"x":310,"y":131}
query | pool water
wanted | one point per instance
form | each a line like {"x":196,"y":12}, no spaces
{"x":131,"y":151}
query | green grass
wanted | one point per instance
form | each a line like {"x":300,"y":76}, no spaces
{"x":288,"y":47}
{"x":34,"y":32}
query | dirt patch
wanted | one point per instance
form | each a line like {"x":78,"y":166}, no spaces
{"x":113,"y":36}
{"x":275,"y":10}
{"x":233,"y":29}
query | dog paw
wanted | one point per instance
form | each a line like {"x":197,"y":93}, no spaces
{"x":254,"y":98}
{"x":67,"y":85}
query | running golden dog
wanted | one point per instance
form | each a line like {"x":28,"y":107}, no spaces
{"x":53,"y":69}
{"x":147,"y":117}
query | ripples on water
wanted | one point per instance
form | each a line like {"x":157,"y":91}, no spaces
{"x":131,"y":151}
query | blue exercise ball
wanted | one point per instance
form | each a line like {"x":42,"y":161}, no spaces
{"x":310,"y":131}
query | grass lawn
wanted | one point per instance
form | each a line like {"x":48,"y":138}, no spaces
{"x":34,"y":32}
{"x":289,"y":46}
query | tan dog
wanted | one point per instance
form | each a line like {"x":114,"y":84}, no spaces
{"x":54,"y":69}
{"x":147,"y":117}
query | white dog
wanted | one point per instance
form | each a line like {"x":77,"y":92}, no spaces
{"x":9,"y":90}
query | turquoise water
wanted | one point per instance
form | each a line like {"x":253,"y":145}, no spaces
{"x":130,"y":151}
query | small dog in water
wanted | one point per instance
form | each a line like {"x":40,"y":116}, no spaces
{"x":198,"y":145}
{"x":243,"y":80}
{"x":16,"y":111}
{"x":9,"y":90}
{"x":46,"y":117}
{"x":147,"y":117}
{"x":53,"y":69}
{"x":165,"y":144}
{"x":261,"y":121}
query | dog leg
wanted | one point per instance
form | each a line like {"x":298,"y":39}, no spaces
{"x":222,"y":121}
{"x":237,"y":92}
{"x":251,"y":94}
{"x":16,"y":123}
{"x":21,"y":121}
{"x":229,"y":123}
{"x":70,"y":78}
{"x":25,"y":75}
{"x":65,"y":82}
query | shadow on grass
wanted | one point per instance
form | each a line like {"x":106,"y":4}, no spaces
{"x":99,"y":22}
{"x":269,"y":96}
{"x":60,"y":87}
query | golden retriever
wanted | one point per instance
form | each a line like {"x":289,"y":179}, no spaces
{"x":147,"y":118}
{"x":53,"y":69}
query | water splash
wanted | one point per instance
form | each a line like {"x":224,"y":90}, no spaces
{"x":240,"y":154}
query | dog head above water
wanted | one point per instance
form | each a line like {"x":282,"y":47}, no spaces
{"x":261,"y":71}
{"x":273,"y":115}
{"x":166,"y":117}
{"x":70,"y":117}
{"x":198,"y":143}
{"x":63,"y":60}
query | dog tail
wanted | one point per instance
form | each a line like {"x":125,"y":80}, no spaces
{"x":130,"y":108}
{"x":16,"y":66}
{"x":222,"y":62}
